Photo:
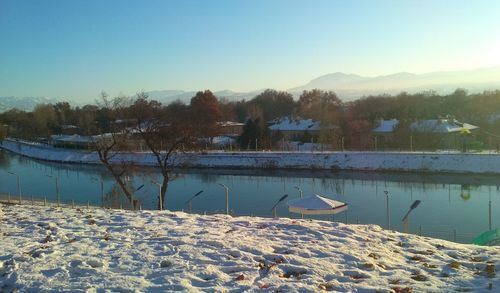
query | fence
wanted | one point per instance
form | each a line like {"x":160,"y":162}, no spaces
{"x":410,"y":143}
{"x":450,"y":234}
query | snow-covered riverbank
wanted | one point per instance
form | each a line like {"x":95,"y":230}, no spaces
{"x":379,"y":161}
{"x":47,"y":248}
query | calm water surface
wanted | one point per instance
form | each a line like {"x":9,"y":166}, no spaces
{"x":450,"y":203}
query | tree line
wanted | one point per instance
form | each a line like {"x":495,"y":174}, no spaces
{"x":355,"y":119}
{"x":120,"y":122}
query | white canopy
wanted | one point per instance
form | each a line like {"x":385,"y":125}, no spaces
{"x":316,"y":205}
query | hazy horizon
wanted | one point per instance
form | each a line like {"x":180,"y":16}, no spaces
{"x":76,"y":49}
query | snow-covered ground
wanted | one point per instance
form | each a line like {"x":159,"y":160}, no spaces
{"x":452,"y":162}
{"x":75,"y":250}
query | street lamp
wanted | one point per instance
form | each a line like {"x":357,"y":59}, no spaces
{"x":18,"y":184}
{"x":135,"y":202}
{"x":227,"y":197}
{"x":405,"y":220}
{"x":273,"y":209}
{"x":57,"y":187}
{"x":489,"y":208}
{"x":300,"y":190}
{"x":188,"y":202}
{"x":102,"y":189}
{"x":388,"y":210}
{"x":159,"y":194}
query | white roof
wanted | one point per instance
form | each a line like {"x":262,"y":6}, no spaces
{"x":287,"y":124}
{"x":387,"y":126}
{"x":223,"y":140}
{"x":440,"y":126}
{"x":316,"y":205}
{"x":68,"y":126}
{"x":229,"y":123}
{"x":71,"y":138}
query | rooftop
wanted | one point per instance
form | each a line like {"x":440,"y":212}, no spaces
{"x":386,"y":126}
{"x":441,"y":126}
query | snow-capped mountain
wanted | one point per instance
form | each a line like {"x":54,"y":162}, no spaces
{"x":350,"y":86}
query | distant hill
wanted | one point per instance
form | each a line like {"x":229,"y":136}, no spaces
{"x":23,"y":103}
{"x":168,"y":96}
{"x":349,"y":86}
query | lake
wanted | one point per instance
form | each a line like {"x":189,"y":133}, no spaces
{"x":453,"y":206}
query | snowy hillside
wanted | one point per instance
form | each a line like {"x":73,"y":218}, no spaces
{"x":80,"y":250}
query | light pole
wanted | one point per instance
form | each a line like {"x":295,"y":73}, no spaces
{"x":188,"y":202}
{"x":405,"y":220}
{"x":388,"y":210}
{"x":273,"y":209}
{"x":227,"y":197}
{"x":489,"y":209}
{"x":300,"y":190}
{"x":57,"y":187}
{"x":18,"y":184}
{"x":102,"y":189}
{"x":159,"y":194}
{"x":301,"y":195}
{"x":134,"y":201}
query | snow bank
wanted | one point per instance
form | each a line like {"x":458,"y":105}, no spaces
{"x":380,"y":161}
{"x":45,"y":249}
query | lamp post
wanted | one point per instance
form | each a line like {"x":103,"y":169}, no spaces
{"x":18,"y":184}
{"x":489,"y":209}
{"x":159,"y":194}
{"x":301,"y":195}
{"x":388,"y":210}
{"x":405,"y":220}
{"x":57,"y":187}
{"x":188,"y":202}
{"x":273,"y":209}
{"x":300,"y":190}
{"x":227,"y":197}
{"x":134,"y":201}
{"x":102,"y":189}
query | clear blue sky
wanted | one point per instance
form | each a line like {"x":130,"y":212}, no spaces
{"x":75,"y":49}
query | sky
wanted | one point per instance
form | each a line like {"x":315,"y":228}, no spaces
{"x":77,"y":49}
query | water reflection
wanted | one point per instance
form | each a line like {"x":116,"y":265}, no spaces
{"x":4,"y":160}
{"x":448,"y":202}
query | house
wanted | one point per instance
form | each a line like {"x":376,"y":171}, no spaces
{"x":442,"y":126}
{"x":68,"y":129}
{"x":384,"y":133}
{"x":386,"y":127}
{"x":71,"y":141}
{"x":230,"y":128}
{"x":296,"y":129}
{"x":443,"y":133}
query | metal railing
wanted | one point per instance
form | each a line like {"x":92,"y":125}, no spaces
{"x":445,"y":233}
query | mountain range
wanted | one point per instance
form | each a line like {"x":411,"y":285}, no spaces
{"x":23,"y":103}
{"x":347,"y":87}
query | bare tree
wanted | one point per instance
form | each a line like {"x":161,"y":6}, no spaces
{"x":110,"y":145}
{"x":165,"y":131}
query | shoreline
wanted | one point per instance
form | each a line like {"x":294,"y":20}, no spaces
{"x":416,"y":162}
